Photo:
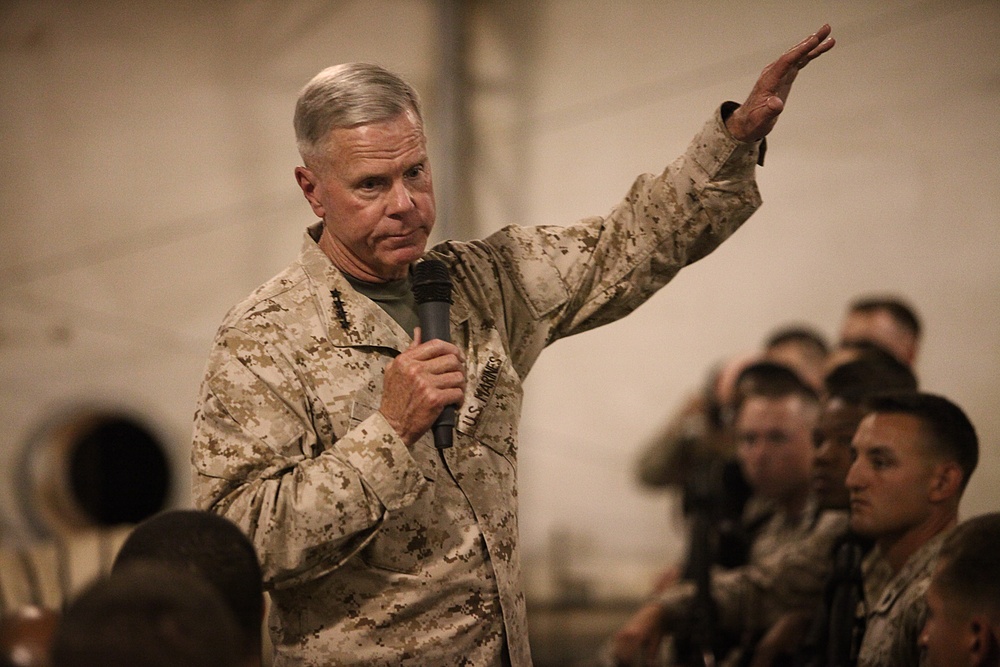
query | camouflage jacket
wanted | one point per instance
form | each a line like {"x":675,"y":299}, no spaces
{"x":379,"y":554}
{"x":790,"y":576}
{"x":895,"y":609}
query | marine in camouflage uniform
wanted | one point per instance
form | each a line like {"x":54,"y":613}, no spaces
{"x":376,"y":553}
{"x":791,"y":574}
{"x":894,"y":608}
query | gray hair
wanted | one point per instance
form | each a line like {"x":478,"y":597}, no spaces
{"x":349,"y":95}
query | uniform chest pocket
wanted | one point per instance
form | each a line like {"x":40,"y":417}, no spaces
{"x":492,"y":406}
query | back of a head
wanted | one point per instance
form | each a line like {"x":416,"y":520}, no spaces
{"x":346,"y":96}
{"x":875,"y":371}
{"x":147,"y":615}
{"x":901,"y":312}
{"x":805,"y":337}
{"x":212,"y":547}
{"x":969,"y":569}
{"x":950,"y":434}
{"x":886,"y":321}
{"x":772,"y":380}
{"x":802,"y":348}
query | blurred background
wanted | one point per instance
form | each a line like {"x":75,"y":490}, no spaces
{"x":146,"y":157}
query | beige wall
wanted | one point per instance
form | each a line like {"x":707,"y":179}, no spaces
{"x":147,"y":185}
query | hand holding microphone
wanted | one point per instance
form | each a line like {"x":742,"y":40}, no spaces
{"x":432,"y":292}
{"x":425,"y":383}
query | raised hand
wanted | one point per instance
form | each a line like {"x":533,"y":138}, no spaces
{"x":755,"y":117}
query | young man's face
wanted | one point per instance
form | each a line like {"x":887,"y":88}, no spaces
{"x":891,"y":478}
{"x":832,"y":437}
{"x":774,"y":445}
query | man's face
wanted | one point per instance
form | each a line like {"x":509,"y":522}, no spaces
{"x":947,"y":635}
{"x":774,"y":445}
{"x":832,"y":437}
{"x":890,"y":480}
{"x":373,"y":190}
{"x":879,"y":327}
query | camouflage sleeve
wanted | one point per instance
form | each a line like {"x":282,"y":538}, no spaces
{"x":572,"y":279}
{"x":257,"y":461}
{"x":668,"y":458}
{"x":789,"y":579}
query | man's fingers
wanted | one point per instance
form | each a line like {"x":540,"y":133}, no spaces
{"x":811,"y":47}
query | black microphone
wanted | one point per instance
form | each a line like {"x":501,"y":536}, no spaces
{"x":432,"y":292}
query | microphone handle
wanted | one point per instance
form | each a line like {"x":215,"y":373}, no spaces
{"x":444,"y":428}
{"x":435,"y":325}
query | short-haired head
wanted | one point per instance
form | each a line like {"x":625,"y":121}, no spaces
{"x":147,"y":615}
{"x":949,"y":433}
{"x":968,"y":567}
{"x":210,"y":546}
{"x":768,"y":379}
{"x":874,"y":371}
{"x":801,"y":335}
{"x":346,"y":96}
{"x":800,"y":347}
{"x":901,"y":312}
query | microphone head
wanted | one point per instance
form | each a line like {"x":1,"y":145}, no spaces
{"x":431,"y":282}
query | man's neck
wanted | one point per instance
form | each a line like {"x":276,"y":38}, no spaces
{"x":795,"y":504}
{"x":899,"y":548}
{"x":348,"y":264}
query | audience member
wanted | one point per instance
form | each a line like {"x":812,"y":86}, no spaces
{"x":801,"y":348}
{"x":914,"y":454}
{"x":147,"y":615}
{"x":778,"y":593}
{"x":699,"y":433}
{"x":888,"y":322}
{"x":212,"y":547}
{"x":846,"y":388}
{"x":963,"y":599}
{"x":776,"y":413}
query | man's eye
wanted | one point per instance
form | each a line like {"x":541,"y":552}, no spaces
{"x":415,"y":171}
{"x":879,"y":463}
{"x":368,"y":184}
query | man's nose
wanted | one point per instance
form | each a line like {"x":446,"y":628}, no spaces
{"x":400,"y":199}
{"x":854,"y":477}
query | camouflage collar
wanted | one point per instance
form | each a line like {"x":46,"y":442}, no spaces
{"x":353,"y":320}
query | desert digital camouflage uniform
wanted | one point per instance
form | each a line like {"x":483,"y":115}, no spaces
{"x":895,"y":609}
{"x":379,"y":554}
{"x":789,"y":574}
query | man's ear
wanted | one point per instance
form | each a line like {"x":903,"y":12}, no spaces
{"x":310,"y":185}
{"x":983,"y":646}
{"x":946,"y":481}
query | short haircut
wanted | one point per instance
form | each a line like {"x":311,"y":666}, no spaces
{"x":969,"y":570}
{"x":950,"y":432}
{"x":875,"y":371}
{"x":147,"y":615}
{"x":345,"y":96}
{"x":767,"y":379}
{"x":901,"y":312}
{"x":210,"y":546}
{"x":801,"y":335}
